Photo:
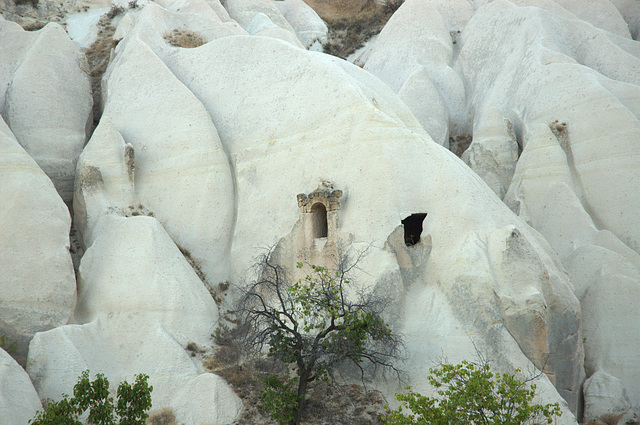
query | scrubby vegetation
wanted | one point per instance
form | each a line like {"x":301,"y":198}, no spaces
{"x":313,"y":328}
{"x":469,"y":393}
{"x":348,"y":34}
{"x":184,"y":38}
{"x":33,"y":3}
{"x":130,"y":407}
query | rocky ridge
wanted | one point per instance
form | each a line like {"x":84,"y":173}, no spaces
{"x":528,"y":249}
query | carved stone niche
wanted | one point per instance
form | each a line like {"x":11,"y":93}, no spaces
{"x":319,"y":210}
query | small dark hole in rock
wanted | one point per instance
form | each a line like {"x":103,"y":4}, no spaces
{"x":413,"y":228}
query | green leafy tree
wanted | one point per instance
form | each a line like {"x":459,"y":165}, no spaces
{"x":471,"y":394}
{"x":280,"y":398}
{"x":314,"y":325}
{"x":131,"y":408}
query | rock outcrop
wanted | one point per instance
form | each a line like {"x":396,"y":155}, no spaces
{"x":139,"y":305}
{"x":37,"y":281}
{"x":45,"y":98}
{"x":19,"y":401}
{"x":525,"y":250}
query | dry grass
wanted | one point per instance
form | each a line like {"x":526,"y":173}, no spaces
{"x":196,"y":265}
{"x":184,"y":38}
{"x":162,"y":417}
{"x":325,"y":403}
{"x":98,"y":55}
{"x":349,"y":33}
{"x":459,"y":144}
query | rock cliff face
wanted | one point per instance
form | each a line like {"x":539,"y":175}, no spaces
{"x":526,"y":249}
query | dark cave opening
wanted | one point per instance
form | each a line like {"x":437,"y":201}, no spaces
{"x":413,"y":228}
{"x":320,"y":228}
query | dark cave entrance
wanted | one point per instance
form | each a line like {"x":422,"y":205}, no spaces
{"x":413,"y":228}
{"x":320,"y":228}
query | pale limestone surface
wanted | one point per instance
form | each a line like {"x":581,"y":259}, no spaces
{"x":427,"y":46}
{"x":245,"y":13}
{"x":18,"y":399}
{"x":493,"y":153}
{"x":123,"y":332}
{"x":545,"y":79}
{"x":262,"y":121}
{"x":193,"y":403}
{"x":182,"y":173}
{"x":309,"y":27}
{"x":606,"y":400}
{"x":49,"y":72}
{"x":542,"y":312}
{"x":630,"y":10}
{"x":37,"y":283}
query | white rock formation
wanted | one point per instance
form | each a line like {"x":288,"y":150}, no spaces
{"x":545,"y":78}
{"x":182,"y":173}
{"x":37,"y":283}
{"x":309,"y":27}
{"x":427,"y":46}
{"x":193,"y":403}
{"x":493,"y":153}
{"x":19,"y":401}
{"x":262,"y":18}
{"x":360,"y":123}
{"x":605,"y":399}
{"x":47,"y":102}
{"x":139,"y":305}
{"x":217,"y":141}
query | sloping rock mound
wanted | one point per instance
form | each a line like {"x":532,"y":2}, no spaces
{"x":182,"y":174}
{"x":249,"y":141}
{"x":532,"y":71}
{"x":46,"y":99}
{"x":141,"y":305}
{"x":278,"y":145}
{"x":36,"y":272}
{"x":19,"y":401}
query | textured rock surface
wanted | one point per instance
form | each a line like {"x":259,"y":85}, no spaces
{"x":136,"y":318}
{"x":214,"y":143}
{"x":182,"y":173}
{"x":18,"y":399}
{"x":605,"y":399}
{"x":47,"y":103}
{"x":37,"y":283}
{"x":304,"y":20}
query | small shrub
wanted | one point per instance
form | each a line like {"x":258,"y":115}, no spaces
{"x":114,"y":11}
{"x":33,"y":3}
{"x":390,"y":6}
{"x":471,"y":394}
{"x":184,"y":38}
{"x":347,"y":35}
{"x":280,"y":398}
{"x":162,"y":417}
{"x":131,"y":406}
{"x":9,"y":345}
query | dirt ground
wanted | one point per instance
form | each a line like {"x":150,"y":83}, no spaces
{"x":333,"y":10}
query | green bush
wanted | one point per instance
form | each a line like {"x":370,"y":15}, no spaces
{"x":9,"y":345}
{"x":279,"y":398}
{"x":33,"y":3}
{"x":313,"y":326}
{"x":471,"y":394}
{"x":133,"y":402}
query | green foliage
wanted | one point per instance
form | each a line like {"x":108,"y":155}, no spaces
{"x":33,"y":3}
{"x":472,"y":394}
{"x":131,"y":407}
{"x":324,"y":326}
{"x":279,"y":398}
{"x":312,"y":324}
{"x":9,"y":345}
